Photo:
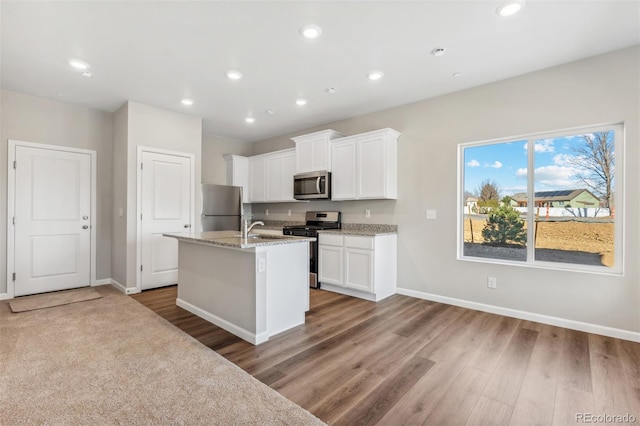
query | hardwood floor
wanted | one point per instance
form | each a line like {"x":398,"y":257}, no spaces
{"x":411,"y":361}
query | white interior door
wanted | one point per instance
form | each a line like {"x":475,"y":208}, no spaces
{"x":52,"y":220}
{"x":167,"y":193}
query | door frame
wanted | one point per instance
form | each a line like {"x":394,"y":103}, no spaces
{"x":11,"y":191}
{"x":140,"y":151}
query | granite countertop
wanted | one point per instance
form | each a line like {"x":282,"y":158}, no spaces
{"x":365,"y":229}
{"x":232,"y":239}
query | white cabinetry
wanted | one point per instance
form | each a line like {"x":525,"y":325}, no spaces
{"x":280,"y":170}
{"x":257,"y":179}
{"x":360,"y":266}
{"x":271,"y":177}
{"x":313,"y":152}
{"x":238,"y":173}
{"x":365,"y":166}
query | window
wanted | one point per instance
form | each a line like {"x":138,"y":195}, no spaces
{"x":549,"y":200}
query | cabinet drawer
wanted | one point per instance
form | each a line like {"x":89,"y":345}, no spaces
{"x":358,"y":242}
{"x":330,"y":239}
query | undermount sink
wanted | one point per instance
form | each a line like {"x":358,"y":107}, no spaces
{"x":263,"y":237}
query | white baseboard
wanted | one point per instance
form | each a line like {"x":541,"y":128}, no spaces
{"x":530,"y":316}
{"x":104,"y":281}
{"x":250,"y":337}
{"x":122,"y":288}
{"x":5,"y":296}
{"x":354,"y":293}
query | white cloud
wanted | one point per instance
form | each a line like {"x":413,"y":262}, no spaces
{"x":542,"y":145}
{"x":473,"y":163}
{"x":555,"y":177}
{"x":522,"y":172}
{"x":496,"y":165}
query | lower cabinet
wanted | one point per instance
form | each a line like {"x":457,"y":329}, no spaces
{"x":360,"y":266}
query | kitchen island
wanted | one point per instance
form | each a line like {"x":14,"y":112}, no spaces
{"x":254,"y":288}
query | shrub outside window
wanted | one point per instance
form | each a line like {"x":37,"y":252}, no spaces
{"x":550,"y":200}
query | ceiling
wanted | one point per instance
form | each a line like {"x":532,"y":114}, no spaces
{"x":159,"y":52}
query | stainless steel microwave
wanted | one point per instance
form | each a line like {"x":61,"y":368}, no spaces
{"x":312,"y":186}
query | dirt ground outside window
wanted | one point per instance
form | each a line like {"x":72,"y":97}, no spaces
{"x":567,"y":241}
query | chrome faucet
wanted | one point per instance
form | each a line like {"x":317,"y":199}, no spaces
{"x":247,"y":228}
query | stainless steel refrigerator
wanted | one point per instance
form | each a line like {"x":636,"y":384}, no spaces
{"x":221,"y":207}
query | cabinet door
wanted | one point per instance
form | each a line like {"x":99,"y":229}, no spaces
{"x":330,"y":264}
{"x":371,"y":167}
{"x":238,"y":174}
{"x":343,"y":176}
{"x":257,"y":180}
{"x":274,"y":179}
{"x":304,"y":155}
{"x":288,"y":171}
{"x":358,"y":269}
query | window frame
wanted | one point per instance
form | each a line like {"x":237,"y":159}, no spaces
{"x":530,"y":262}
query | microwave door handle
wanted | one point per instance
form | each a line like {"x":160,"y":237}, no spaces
{"x":318,"y":184}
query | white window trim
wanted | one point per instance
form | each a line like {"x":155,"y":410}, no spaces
{"x":619,"y":201}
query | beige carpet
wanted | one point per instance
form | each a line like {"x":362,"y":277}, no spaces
{"x":113,"y":361}
{"x":49,"y":300}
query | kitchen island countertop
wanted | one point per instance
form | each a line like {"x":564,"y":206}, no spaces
{"x":232,"y":239}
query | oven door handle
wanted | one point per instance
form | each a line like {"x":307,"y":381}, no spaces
{"x":318,"y":184}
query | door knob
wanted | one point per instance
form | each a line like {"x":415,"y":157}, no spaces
{"x":187,"y":226}
{"x":85,"y":227}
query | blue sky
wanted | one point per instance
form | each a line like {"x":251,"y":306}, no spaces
{"x":506,"y":164}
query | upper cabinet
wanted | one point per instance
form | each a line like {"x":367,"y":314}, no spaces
{"x":365,"y":166}
{"x":313,"y":152}
{"x":238,"y":173}
{"x":271,"y":177}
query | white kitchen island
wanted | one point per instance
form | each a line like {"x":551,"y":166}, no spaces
{"x":254,"y":288}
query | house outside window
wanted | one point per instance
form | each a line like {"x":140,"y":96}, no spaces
{"x":552,"y":200}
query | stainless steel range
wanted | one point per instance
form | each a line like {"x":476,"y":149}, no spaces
{"x":315,"y":221}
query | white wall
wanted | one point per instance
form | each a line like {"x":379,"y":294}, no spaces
{"x":32,"y":119}
{"x":146,"y":126}
{"x":213,"y":164}
{"x":603,"y":89}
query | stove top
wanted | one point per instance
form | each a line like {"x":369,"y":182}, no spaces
{"x":316,"y":221}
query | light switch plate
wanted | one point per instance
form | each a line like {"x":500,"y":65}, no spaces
{"x":431,"y":214}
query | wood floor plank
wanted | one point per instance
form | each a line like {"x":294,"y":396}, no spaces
{"x":536,"y":400}
{"x":387,"y":393}
{"x":575,"y":361}
{"x":570,"y":404}
{"x":459,"y":400}
{"x":609,"y":381}
{"x":346,"y":396}
{"x":505,"y":383}
{"x":488,"y":412}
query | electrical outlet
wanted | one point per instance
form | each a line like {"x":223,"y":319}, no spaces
{"x":262,"y":264}
{"x":266,"y":212}
{"x":431,"y":214}
{"x":492,"y":282}
{"x":367,"y":213}
{"x":289,"y":212}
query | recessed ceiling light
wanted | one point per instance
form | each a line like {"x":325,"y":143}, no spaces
{"x":187,"y":102}
{"x":301,"y":102}
{"x":510,"y":8}
{"x":456,"y":74}
{"x":78,"y":64}
{"x":330,"y":90}
{"x":86,"y":74}
{"x":438,"y":51}
{"x":375,"y":75}
{"x":311,"y":31}
{"x":270,"y":111}
{"x":234,"y":75}
{"x":250,"y":120}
